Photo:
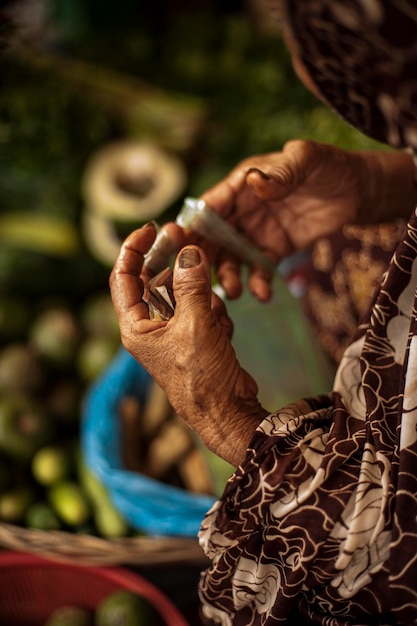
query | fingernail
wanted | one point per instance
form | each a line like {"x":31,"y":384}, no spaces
{"x":255,"y":170}
{"x":189,"y":258}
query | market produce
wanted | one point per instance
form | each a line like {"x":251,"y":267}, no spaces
{"x":41,"y":516}
{"x":51,"y":464}
{"x":55,"y":334}
{"x":15,"y":502}
{"x":118,"y":608}
{"x":108,"y":520}
{"x":125,"y":608}
{"x":20,"y":369}
{"x":159,"y":444}
{"x":24,"y":427}
{"x":70,"y":503}
{"x":70,"y":616}
{"x":45,"y":483}
{"x":41,"y":393}
{"x":93,"y":355}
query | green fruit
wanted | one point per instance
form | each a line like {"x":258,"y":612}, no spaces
{"x":51,"y":464}
{"x":39,"y":232}
{"x":41,"y":516}
{"x":54,"y":334}
{"x":20,"y":369}
{"x":70,"y":616}
{"x":125,"y":608}
{"x":98,"y":317}
{"x":108,"y":519}
{"x":24,"y":427}
{"x":70,"y":503}
{"x":94,"y":355}
{"x":14,"y":504}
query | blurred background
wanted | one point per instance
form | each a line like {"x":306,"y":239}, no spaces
{"x":211,"y":84}
{"x":110,"y":114}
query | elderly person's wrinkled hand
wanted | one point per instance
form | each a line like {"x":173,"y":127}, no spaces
{"x":191,"y":355}
{"x":285,"y":201}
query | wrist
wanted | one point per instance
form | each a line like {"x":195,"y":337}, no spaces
{"x":228,"y":433}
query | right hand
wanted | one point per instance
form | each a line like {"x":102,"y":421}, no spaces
{"x":282,"y":202}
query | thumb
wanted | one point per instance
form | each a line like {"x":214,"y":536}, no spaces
{"x":192,"y":280}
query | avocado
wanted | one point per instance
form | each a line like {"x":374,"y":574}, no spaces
{"x":51,"y":464}
{"x":98,"y":316}
{"x":41,"y":516}
{"x":94,"y":355}
{"x":14,"y":503}
{"x":70,"y":503}
{"x":70,"y":616}
{"x":54,"y":335}
{"x":24,"y":427}
{"x":125,"y":608}
{"x":21,"y":370}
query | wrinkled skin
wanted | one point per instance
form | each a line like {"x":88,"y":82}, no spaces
{"x":190,"y":356}
{"x":283,"y":202}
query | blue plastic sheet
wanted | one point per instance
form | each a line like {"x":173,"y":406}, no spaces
{"x":148,"y":505}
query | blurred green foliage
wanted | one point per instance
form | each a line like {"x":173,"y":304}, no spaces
{"x":49,"y":126}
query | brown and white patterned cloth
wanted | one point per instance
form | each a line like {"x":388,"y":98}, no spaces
{"x":319,"y":524}
{"x":341,"y":273}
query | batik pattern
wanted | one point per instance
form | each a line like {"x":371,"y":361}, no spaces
{"x":362,"y":55}
{"x":319,"y":523}
{"x":341,"y":275}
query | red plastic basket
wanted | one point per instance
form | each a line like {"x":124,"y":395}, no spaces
{"x":31,"y":587}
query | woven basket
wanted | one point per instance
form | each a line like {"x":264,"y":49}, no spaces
{"x":68,"y":547}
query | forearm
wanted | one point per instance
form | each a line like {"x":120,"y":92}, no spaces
{"x":387,"y":187}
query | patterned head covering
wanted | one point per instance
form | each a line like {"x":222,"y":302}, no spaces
{"x":362,"y":57}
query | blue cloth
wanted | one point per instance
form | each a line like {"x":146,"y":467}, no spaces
{"x":148,"y":505}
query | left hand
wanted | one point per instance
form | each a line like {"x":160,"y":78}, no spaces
{"x":190,"y":356}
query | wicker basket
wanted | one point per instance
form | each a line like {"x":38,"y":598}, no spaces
{"x":68,"y":547}
{"x":31,"y":588}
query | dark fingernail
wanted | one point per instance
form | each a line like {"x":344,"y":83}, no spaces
{"x":255,"y":170}
{"x":189,"y":258}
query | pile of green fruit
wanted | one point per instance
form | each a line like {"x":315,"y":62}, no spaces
{"x":119,"y":608}
{"x":50,"y":352}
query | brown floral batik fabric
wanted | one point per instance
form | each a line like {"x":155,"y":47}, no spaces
{"x":341,"y":276}
{"x":319,"y":523}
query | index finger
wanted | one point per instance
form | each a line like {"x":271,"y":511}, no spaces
{"x":126,"y":287}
